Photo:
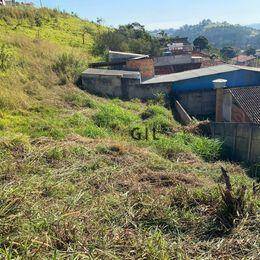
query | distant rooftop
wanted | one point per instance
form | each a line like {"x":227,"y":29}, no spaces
{"x":196,"y":73}
{"x":243,"y":58}
{"x":249,"y":100}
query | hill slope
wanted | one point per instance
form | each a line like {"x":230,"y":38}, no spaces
{"x":220,"y":34}
{"x":75,"y":184}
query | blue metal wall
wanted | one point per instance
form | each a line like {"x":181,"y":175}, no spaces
{"x":239,"y":78}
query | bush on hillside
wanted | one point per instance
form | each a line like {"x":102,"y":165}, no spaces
{"x":68,"y":68}
{"x":207,"y":149}
{"x":156,"y":116}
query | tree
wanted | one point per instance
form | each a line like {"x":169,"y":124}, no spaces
{"x":250,"y":51}
{"x":164,"y":38}
{"x":201,"y":43}
{"x":228,"y":52}
{"x":129,"y":38}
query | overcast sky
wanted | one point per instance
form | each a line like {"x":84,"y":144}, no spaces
{"x":161,"y":13}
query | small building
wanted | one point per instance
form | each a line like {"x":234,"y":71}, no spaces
{"x":244,"y":60}
{"x":110,"y":83}
{"x":129,"y":62}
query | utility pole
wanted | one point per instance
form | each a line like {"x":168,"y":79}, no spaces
{"x":41,"y":3}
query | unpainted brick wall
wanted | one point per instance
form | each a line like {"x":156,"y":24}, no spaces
{"x":145,"y":66}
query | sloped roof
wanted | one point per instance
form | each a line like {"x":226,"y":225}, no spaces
{"x":107,"y":72}
{"x":249,"y":100}
{"x":128,"y":55}
{"x":196,"y":73}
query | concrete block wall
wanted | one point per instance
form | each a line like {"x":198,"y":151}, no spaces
{"x":102,"y":85}
{"x":198,"y":103}
{"x":241,"y":140}
{"x":149,"y":91}
{"x":124,"y":88}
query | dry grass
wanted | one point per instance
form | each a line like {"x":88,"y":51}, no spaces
{"x":87,"y":198}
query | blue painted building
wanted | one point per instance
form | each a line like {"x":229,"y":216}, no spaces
{"x":201,"y":79}
{"x":194,"y":89}
{"x":236,"y":78}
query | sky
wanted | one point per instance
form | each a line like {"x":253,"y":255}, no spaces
{"x":161,"y":14}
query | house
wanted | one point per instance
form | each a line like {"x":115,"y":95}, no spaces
{"x":241,"y":105}
{"x":179,"y":46}
{"x":195,"y":91}
{"x":177,"y":57}
{"x":244,"y":60}
{"x":128,"y":62}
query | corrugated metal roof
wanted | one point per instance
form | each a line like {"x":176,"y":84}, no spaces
{"x":174,"y":77}
{"x":118,"y":73}
{"x":249,"y":100}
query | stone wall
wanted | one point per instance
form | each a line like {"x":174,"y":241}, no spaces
{"x":241,"y":140}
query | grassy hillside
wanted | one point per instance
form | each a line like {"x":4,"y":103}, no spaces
{"x":75,"y":184}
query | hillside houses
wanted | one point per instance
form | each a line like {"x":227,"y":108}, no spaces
{"x":14,"y":3}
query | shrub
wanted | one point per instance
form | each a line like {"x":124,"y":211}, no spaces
{"x":68,"y":68}
{"x":155,"y":110}
{"x":158,"y":117}
{"x":207,"y":149}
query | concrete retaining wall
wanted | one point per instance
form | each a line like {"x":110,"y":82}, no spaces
{"x":124,"y":88}
{"x":241,"y":140}
{"x":103,"y":85}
